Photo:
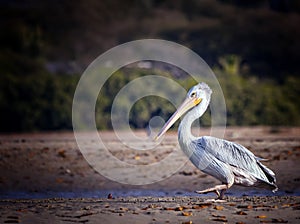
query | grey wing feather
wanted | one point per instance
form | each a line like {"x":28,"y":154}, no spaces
{"x":238,"y":156}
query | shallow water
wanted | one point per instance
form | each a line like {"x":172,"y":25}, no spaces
{"x":132,"y":193}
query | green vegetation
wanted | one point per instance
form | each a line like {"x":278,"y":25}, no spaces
{"x":253,"y":47}
{"x":44,"y":102}
{"x":36,"y":102}
{"x":251,"y":101}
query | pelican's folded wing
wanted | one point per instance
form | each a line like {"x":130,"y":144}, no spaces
{"x":238,"y":156}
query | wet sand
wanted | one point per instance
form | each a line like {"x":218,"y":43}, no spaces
{"x":44,"y":178}
{"x":152,"y":210}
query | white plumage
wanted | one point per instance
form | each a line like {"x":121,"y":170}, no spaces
{"x":229,"y":162}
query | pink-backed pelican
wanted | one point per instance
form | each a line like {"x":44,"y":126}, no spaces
{"x":229,"y":162}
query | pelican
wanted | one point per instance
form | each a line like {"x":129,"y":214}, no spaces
{"x":229,"y":162}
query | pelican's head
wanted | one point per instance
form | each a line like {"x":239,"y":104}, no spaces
{"x":193,"y":98}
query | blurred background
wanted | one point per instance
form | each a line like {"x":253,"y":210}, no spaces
{"x":252,"y":45}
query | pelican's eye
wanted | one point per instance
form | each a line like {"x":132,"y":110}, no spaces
{"x":193,"y":94}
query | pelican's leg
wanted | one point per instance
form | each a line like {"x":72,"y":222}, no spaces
{"x":221,"y":196}
{"x":216,"y":189}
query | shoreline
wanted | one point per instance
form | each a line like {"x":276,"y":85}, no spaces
{"x":135,"y":192}
{"x":180,"y":209}
{"x":50,"y":165}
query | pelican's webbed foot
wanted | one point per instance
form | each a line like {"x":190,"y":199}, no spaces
{"x":216,"y":189}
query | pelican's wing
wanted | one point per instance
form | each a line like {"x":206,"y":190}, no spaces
{"x":238,"y":156}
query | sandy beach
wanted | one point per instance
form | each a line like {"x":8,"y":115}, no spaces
{"x":45,"y":179}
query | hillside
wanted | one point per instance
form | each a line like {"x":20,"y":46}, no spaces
{"x":253,"y":47}
{"x":66,"y":36}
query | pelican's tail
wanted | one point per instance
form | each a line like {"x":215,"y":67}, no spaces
{"x":267,"y":185}
{"x":271,"y":179}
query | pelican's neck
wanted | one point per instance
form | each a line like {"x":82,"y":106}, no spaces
{"x":185,"y":136}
